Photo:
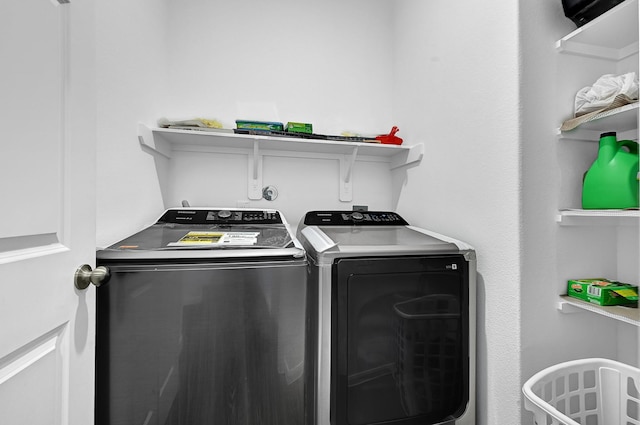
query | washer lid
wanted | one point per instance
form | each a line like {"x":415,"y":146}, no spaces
{"x":209,"y":233}
{"x":160,"y":237}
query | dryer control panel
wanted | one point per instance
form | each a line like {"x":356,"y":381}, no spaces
{"x":207,"y":216}
{"x":351,"y":218}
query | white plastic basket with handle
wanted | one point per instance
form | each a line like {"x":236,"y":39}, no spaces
{"x":585,"y":392}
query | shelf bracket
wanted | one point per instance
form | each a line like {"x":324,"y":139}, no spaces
{"x":151,"y":144}
{"x":567,"y":308}
{"x":254,"y":190}
{"x":408,"y":159}
{"x":346,"y":173}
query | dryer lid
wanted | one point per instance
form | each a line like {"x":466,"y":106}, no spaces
{"x":383,"y":237}
{"x":361,"y":233}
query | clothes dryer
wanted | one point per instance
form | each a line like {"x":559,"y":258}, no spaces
{"x":393,"y":328}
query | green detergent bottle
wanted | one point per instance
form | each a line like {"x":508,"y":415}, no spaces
{"x":612,"y":180}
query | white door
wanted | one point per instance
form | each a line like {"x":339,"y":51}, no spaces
{"x":47,"y":211}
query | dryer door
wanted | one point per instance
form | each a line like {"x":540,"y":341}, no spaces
{"x":400,"y":332}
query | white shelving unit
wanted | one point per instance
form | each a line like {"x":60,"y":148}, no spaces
{"x":623,"y":314}
{"x":598,"y":217}
{"x":610,"y":38}
{"x":164,"y":141}
{"x":623,"y":119}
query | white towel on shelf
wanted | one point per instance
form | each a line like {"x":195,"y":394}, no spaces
{"x":604,"y":91}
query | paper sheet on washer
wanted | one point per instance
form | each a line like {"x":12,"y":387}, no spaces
{"x":217,"y":238}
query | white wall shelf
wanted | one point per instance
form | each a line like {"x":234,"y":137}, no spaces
{"x":164,"y":141}
{"x":611,"y":36}
{"x":629,"y":315}
{"x":623,"y":120}
{"x":577,"y":217}
{"x":606,"y":45}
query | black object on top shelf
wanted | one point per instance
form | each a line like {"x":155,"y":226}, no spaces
{"x":303,"y":135}
{"x":583,"y":11}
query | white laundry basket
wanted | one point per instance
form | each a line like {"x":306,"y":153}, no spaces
{"x":585,"y":392}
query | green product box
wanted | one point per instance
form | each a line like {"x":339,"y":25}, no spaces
{"x":259,"y":125}
{"x":299,"y":127}
{"x":603,"y":291}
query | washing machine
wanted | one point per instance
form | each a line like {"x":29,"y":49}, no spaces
{"x":393,"y":321}
{"x":202,"y":321}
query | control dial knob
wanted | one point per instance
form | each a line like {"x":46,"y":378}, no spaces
{"x":224,"y":214}
{"x":357,"y":216}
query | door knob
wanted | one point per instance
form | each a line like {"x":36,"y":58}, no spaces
{"x":85,"y":276}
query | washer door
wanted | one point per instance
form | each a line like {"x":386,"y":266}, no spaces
{"x":182,"y":344}
{"x":400,"y":331}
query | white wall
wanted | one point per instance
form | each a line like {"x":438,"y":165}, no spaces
{"x":326,"y":62}
{"x":303,"y":184}
{"x":457,"y":88}
{"x":131,"y":77}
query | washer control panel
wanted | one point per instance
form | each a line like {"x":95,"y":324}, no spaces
{"x":351,"y":218}
{"x":205,"y":216}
